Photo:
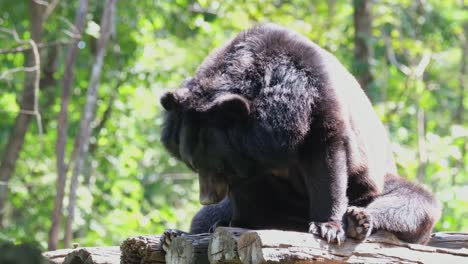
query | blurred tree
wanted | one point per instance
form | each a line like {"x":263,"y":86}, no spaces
{"x":29,"y":103}
{"x":362,"y":43}
{"x":459,"y":118}
{"x":62,"y":122}
{"x":87,"y":116}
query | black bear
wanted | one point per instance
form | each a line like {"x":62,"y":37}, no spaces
{"x":283,"y":137}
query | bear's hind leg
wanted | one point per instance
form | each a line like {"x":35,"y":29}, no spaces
{"x":358,"y":223}
{"x":404,"y":209}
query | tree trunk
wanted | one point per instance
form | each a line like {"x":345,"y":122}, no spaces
{"x":362,"y":47}
{"x":63,"y":124}
{"x":48,"y":83}
{"x":422,"y":148}
{"x":463,"y":75}
{"x":28,"y":105}
{"x":82,"y":138}
{"x":90,"y":177}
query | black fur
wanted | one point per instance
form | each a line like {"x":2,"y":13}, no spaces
{"x":276,"y":124}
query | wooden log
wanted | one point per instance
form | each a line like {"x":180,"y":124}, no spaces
{"x":57,"y":256}
{"x":272,"y":246}
{"x":269,"y":246}
{"x":453,"y":240}
{"x":223,"y":245}
{"x":89,"y":255}
{"x":189,"y":249}
{"x":142,"y":250}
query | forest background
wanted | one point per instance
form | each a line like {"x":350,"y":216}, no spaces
{"x":80,"y":157}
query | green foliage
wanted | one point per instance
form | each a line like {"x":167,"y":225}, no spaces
{"x":131,"y":186}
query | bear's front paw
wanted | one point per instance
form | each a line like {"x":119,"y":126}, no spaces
{"x":332,"y":231}
{"x":168,"y":236}
{"x":359,"y":223}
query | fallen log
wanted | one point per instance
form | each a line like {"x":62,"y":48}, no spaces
{"x":455,"y":240}
{"x":272,"y":246}
{"x":234,"y":245}
{"x":89,"y":255}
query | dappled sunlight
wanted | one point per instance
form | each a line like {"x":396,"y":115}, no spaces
{"x":126,"y":181}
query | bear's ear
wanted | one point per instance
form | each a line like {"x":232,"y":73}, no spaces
{"x":230,"y":108}
{"x":172,"y":100}
{"x":169,"y":101}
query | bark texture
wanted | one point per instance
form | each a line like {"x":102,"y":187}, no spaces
{"x":63,"y":125}
{"x":234,"y":245}
{"x":82,"y":138}
{"x":362,"y":46}
{"x":28,"y":104}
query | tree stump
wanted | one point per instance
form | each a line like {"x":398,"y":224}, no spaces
{"x":189,"y":249}
{"x":142,"y":249}
{"x":223,"y":245}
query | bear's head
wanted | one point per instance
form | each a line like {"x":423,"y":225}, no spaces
{"x":246,"y":111}
{"x":202,"y":133}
